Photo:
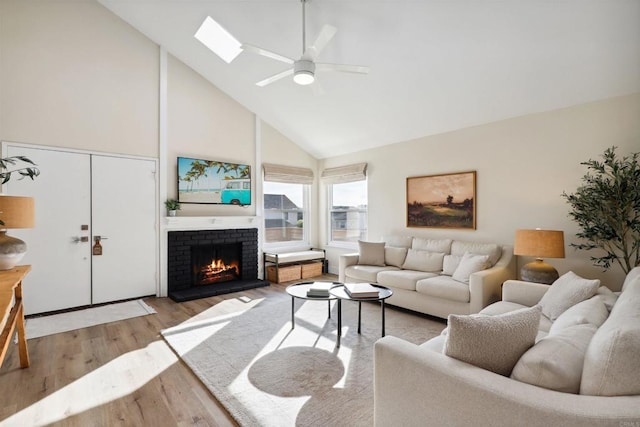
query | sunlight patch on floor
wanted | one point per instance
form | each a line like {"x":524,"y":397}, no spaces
{"x":109,"y":382}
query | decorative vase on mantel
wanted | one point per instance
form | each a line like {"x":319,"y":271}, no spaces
{"x":172,"y":212}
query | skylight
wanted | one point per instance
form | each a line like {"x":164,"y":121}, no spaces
{"x":216,"y":38}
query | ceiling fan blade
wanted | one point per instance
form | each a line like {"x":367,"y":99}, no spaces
{"x":360,"y":69}
{"x":325,"y":36}
{"x":267,"y":53}
{"x":275,"y":77}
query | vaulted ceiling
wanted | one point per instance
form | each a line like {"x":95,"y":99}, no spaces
{"x":436,"y":66}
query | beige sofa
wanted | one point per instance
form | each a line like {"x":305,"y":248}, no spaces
{"x":432,"y":276}
{"x":418,"y":385}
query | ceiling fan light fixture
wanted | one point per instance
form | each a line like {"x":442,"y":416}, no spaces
{"x":304,"y":72}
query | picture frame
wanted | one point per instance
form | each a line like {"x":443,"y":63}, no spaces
{"x":442,"y":201}
{"x":202,"y":181}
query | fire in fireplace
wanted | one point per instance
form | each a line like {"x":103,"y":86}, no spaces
{"x":215,"y":263}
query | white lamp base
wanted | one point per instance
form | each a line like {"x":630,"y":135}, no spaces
{"x":12,"y":250}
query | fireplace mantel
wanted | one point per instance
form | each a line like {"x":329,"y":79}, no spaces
{"x":210,"y":222}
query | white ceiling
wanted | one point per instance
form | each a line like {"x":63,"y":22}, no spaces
{"x":436,"y":66}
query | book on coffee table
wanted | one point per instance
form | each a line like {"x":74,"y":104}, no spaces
{"x":361,"y":290}
{"x":319,"y":289}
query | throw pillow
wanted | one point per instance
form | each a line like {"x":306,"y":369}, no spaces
{"x":423,"y":261}
{"x":469,"y":264}
{"x":611,"y":364}
{"x":394,"y":256}
{"x":450,"y":263}
{"x":398,"y":241}
{"x":556,"y":361}
{"x":591,"y":311}
{"x":431,"y":245}
{"x":568,"y":290}
{"x":607,"y":296}
{"x":494,"y":343}
{"x":371,"y":253}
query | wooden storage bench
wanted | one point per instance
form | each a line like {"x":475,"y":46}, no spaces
{"x":288,"y":266}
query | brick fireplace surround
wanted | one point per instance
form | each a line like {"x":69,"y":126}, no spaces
{"x":179,"y":266}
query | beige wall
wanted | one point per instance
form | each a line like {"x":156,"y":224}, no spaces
{"x":204,"y":123}
{"x":523,"y":165}
{"x":73,"y":75}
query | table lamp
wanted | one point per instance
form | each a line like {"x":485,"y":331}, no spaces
{"x":539,"y":244}
{"x":15,"y":212}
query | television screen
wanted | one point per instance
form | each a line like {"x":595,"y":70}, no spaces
{"x":208,"y":181}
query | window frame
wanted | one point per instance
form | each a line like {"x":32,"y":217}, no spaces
{"x":287,"y":244}
{"x":330,"y":211}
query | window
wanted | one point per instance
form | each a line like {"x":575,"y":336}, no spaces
{"x":348,"y":212}
{"x":285,"y":211}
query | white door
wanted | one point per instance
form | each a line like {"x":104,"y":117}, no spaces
{"x":124,"y":215}
{"x":61,"y":264}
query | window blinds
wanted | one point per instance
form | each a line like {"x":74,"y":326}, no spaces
{"x":342,"y":174}
{"x":290,"y":174}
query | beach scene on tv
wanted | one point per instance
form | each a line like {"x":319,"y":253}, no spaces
{"x":208,"y":181}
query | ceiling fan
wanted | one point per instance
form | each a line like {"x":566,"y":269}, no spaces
{"x":304,"y":69}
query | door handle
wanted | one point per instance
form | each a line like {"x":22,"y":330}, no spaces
{"x":76,"y":239}
{"x":98,"y":238}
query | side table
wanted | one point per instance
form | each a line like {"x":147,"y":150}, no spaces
{"x":299,"y":290}
{"x":340,"y":293}
{"x":12,"y":309}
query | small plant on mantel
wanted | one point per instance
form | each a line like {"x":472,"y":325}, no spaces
{"x":607,"y":209}
{"x":25,"y":171}
{"x":172,"y":206}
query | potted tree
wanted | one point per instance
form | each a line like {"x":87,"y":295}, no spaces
{"x":607,"y":209}
{"x":172,"y":206}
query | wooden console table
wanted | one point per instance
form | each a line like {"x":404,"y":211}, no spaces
{"x":12,"y":312}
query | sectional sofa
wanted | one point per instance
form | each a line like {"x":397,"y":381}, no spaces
{"x":432,"y":276}
{"x":581,"y":366}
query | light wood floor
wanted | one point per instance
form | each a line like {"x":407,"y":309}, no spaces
{"x":77,"y":369}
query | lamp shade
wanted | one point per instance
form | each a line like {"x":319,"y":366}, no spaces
{"x":539,"y":243}
{"x":17,"y":212}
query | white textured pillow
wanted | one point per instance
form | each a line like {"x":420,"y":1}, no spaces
{"x":394,"y":256}
{"x":556,"y":361}
{"x":469,"y":264}
{"x":494,"y":343}
{"x":493,"y":250}
{"x":607,"y":296}
{"x":568,"y":290}
{"x":450,"y":263}
{"x":371,"y":253}
{"x":612,"y":361}
{"x":423,"y":261}
{"x":591,"y":311}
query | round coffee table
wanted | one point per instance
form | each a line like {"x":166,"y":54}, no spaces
{"x":340,"y":293}
{"x":299,"y":290}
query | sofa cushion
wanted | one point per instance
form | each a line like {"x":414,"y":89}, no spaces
{"x":612,"y":361}
{"x":423,"y":261}
{"x":501,"y":307}
{"x":494,"y":343}
{"x":555,"y":362}
{"x":494,"y":251}
{"x":431,"y":245}
{"x":631,"y":276}
{"x":469,"y":264}
{"x":591,"y":311}
{"x":394,"y":256}
{"x":371,"y":253}
{"x":435,"y":344}
{"x":607,"y":296}
{"x":568,"y":290}
{"x":450,"y":263}
{"x":403,"y":279}
{"x":444,"y":287}
{"x":399,"y":241}
{"x":366,"y":273}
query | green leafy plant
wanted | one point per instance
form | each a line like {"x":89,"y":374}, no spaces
{"x":27,"y":171}
{"x":172,"y":205}
{"x":607,"y":209}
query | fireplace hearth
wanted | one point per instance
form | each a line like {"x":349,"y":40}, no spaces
{"x":203,"y":263}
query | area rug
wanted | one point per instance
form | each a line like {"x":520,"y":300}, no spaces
{"x":63,"y":322}
{"x":267,"y":374}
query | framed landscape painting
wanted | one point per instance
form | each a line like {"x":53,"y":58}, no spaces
{"x":442,"y":201}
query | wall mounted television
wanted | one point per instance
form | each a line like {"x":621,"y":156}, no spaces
{"x":212,"y":182}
